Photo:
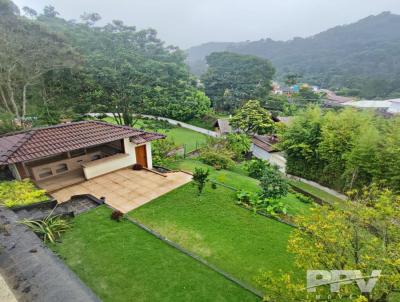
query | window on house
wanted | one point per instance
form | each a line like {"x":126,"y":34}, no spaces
{"x":60,"y":168}
{"x":45,"y":172}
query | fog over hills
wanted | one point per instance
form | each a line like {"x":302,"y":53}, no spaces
{"x":364,"y":55}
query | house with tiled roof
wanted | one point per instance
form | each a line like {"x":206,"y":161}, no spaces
{"x":61,"y":155}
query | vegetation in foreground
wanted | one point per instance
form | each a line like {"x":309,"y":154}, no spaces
{"x":125,"y":262}
{"x":360,"y":234}
{"x":20,"y":193}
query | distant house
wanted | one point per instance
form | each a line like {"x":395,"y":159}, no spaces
{"x":283,"y":119}
{"x":333,"y":100}
{"x":263,"y":145}
{"x":395,"y":106}
{"x":222,"y":126}
{"x":68,"y":153}
{"x":389,"y":106}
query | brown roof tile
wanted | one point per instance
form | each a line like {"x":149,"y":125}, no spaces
{"x":40,"y":142}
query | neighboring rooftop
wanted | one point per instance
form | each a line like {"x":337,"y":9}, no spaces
{"x":391,"y":106}
{"x":223,"y":125}
{"x":40,"y":142}
{"x":265,"y":142}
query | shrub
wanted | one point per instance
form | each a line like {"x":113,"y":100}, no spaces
{"x":200,"y":177}
{"x":273,"y":184}
{"x":50,"y":228}
{"x":116,"y":215}
{"x":244,"y":197}
{"x":256,"y":167}
{"x":239,"y":144}
{"x":274,"y":207}
{"x":258,"y":203}
{"x":20,"y":193}
{"x":161,"y":149}
{"x":218,"y":159}
{"x":303,"y":198}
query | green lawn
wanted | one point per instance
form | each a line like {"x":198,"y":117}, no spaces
{"x":325,"y":196}
{"x":209,"y":125}
{"x":213,"y":226}
{"x":122,"y":262}
{"x":240,"y":181}
{"x":181,"y":136}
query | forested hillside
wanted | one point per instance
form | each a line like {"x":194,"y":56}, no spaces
{"x":364,"y":56}
{"x":51,"y":68}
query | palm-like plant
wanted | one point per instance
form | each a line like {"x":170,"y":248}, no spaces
{"x":49,"y":228}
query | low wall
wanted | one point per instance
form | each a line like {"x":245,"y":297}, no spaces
{"x":111,"y":163}
{"x":107,"y":165}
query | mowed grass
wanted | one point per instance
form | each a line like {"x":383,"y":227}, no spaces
{"x":181,"y":136}
{"x":122,"y":262}
{"x":325,"y":196}
{"x":240,"y":181}
{"x":213,"y":226}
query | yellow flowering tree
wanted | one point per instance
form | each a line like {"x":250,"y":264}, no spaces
{"x":360,"y":234}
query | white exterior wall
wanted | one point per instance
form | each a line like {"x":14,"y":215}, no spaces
{"x":149,"y":157}
{"x":110,"y":164}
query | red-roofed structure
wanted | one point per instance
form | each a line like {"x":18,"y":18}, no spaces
{"x":92,"y":147}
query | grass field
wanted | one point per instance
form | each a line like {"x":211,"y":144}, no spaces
{"x":325,"y":196}
{"x":240,"y":181}
{"x":213,"y":226}
{"x":181,"y":136}
{"x":122,"y":262}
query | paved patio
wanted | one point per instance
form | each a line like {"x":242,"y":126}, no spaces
{"x":126,"y":189}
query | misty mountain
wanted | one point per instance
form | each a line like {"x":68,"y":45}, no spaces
{"x":364,"y":56}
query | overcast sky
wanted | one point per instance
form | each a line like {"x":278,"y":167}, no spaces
{"x":187,"y":23}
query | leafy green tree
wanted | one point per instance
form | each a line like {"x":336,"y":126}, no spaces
{"x":28,"y":52}
{"x":200,"y":177}
{"x":280,"y":105}
{"x":272,"y":183}
{"x":300,"y":141}
{"x":338,"y":137}
{"x":256,"y":167}
{"x":253,"y":119}
{"x":233,"y":79}
{"x":239,"y":144}
{"x":357,"y":235}
{"x":387,"y":169}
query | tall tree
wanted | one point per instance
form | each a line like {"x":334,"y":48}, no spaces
{"x":253,"y":119}
{"x":233,"y":79}
{"x":28,"y":52}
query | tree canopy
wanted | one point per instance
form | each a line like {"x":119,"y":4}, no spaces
{"x":232,"y":79}
{"x":253,"y":119}
{"x":361,"y":234}
{"x":345,"y":150}
{"x":363,"y":56}
{"x":51,"y":67}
